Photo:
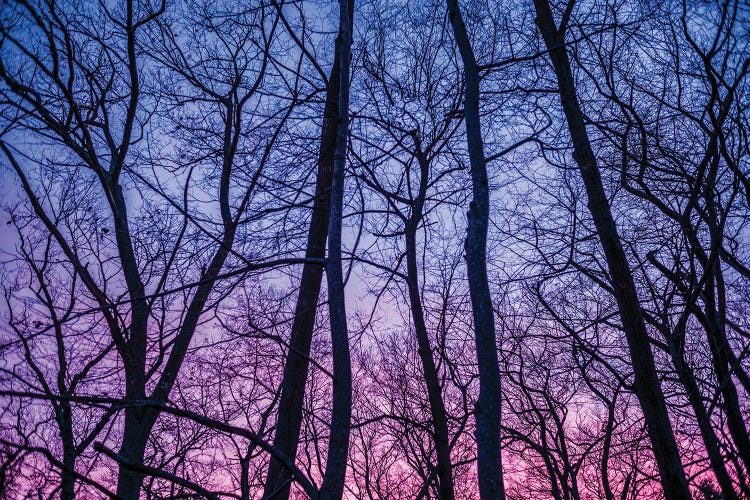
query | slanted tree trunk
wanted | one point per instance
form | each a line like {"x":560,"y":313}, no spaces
{"x":289,"y":418}
{"x":338,"y":441}
{"x":715,"y":327}
{"x":710,"y":441}
{"x":646,"y":382}
{"x":441,"y":437}
{"x":487,"y":411}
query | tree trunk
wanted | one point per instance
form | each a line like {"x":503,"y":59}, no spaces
{"x":710,"y":441}
{"x":289,"y":417}
{"x":646,"y":382}
{"x":65,"y":424}
{"x":719,"y":345}
{"x":338,"y":442}
{"x":441,"y":437}
{"x":487,"y":410}
{"x":138,"y":424}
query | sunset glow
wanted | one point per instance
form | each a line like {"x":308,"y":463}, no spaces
{"x":301,"y":249}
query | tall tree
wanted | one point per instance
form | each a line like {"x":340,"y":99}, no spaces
{"x":646,"y":383}
{"x":338,"y":440}
{"x":289,"y":417}
{"x":93,"y":109}
{"x":488,"y":406}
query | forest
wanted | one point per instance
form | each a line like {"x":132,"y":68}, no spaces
{"x":375,"y":249}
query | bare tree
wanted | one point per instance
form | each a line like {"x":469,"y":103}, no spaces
{"x":338,"y":443}
{"x":181,"y":174}
{"x":95,"y":106}
{"x":413,"y":140}
{"x":289,"y":417}
{"x":487,"y":411}
{"x":646,"y":384}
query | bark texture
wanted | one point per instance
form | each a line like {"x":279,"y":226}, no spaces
{"x":338,"y":441}
{"x":487,"y":410}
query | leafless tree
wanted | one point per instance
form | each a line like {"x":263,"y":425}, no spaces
{"x":179,"y":175}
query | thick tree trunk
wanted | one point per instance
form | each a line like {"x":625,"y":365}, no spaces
{"x":137,"y":428}
{"x":136,"y":425}
{"x":289,"y":418}
{"x":65,"y":423}
{"x":487,"y":410}
{"x":646,"y":382}
{"x":338,"y":441}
